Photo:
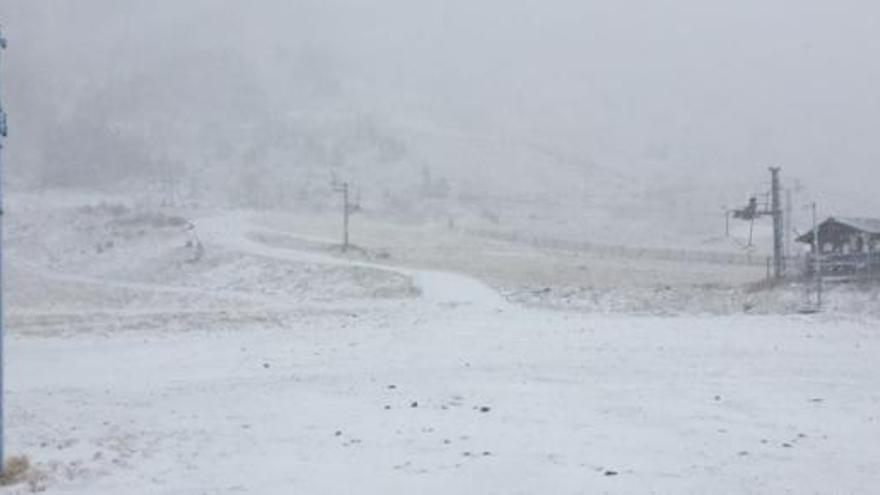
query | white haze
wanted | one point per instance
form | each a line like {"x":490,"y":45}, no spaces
{"x":536,"y":294}
{"x":566,"y":100}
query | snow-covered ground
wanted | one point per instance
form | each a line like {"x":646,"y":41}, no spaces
{"x":270,"y":363}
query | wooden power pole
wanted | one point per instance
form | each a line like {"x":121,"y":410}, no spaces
{"x":778,"y":224}
{"x":817,"y":259}
{"x":346,"y":212}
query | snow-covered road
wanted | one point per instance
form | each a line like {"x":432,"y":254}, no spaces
{"x":435,"y":286}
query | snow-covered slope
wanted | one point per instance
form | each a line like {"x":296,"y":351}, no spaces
{"x":271,"y":362}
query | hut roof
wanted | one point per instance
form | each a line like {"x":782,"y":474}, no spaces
{"x":867,"y":225}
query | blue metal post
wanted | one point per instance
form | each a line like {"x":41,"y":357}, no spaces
{"x":2,"y":361}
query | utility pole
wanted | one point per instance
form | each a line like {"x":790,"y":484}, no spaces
{"x":2,"y":361}
{"x":727,"y":213}
{"x":817,"y":259}
{"x":346,"y":211}
{"x":778,"y":224}
{"x":726,"y":222}
{"x":789,"y":221}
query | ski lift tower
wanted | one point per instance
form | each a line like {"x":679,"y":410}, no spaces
{"x":773,"y":209}
{"x":2,"y":137}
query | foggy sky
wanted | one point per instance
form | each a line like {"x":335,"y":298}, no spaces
{"x":650,"y":88}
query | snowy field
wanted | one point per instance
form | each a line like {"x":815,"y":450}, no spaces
{"x":269,"y":363}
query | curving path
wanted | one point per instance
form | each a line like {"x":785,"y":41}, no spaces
{"x":231,"y":232}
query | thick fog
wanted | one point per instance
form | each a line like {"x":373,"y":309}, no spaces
{"x":575,"y":100}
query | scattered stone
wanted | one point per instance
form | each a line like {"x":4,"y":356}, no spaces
{"x":743,"y":453}
{"x":266,"y":365}
{"x":387,"y":408}
{"x":717,"y":398}
{"x":392,"y":387}
{"x":414,"y":405}
{"x":611,"y":473}
{"x":485,"y":409}
{"x":487,"y":454}
{"x":787,"y":445}
{"x":338,"y":433}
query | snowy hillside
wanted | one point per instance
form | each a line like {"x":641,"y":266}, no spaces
{"x":268,"y":361}
{"x":507,"y":121}
{"x":438,"y":247}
